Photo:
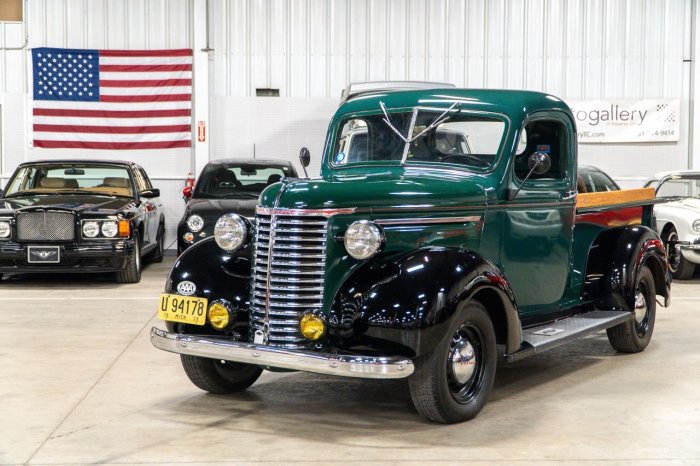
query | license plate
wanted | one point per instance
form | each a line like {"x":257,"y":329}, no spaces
{"x":185,"y":309}
{"x":44,"y":254}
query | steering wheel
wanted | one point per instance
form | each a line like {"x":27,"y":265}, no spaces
{"x":465,"y":159}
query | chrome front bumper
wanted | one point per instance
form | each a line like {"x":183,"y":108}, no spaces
{"x":345,"y":365}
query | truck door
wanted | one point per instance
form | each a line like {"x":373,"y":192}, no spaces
{"x":538,"y":222}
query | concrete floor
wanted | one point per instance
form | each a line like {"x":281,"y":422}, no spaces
{"x":81,"y":383}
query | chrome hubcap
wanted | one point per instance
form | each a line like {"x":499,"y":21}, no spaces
{"x":463,"y":360}
{"x":640,"y":307}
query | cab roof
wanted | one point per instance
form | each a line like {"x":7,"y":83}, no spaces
{"x":515,"y":104}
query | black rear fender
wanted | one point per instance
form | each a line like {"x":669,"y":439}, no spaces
{"x":405,"y":304}
{"x":614,"y":261}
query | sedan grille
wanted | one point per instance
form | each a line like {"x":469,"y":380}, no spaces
{"x":45,"y":226}
{"x":288,"y":276}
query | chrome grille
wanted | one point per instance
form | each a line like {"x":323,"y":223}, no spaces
{"x":294,"y":274}
{"x":45,"y":226}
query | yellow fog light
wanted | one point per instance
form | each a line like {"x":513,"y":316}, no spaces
{"x":219,"y":316}
{"x":189,"y":237}
{"x":312,"y":326}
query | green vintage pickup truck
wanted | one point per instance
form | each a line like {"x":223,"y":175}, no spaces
{"x":445,"y":230}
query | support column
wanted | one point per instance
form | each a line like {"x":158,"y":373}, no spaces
{"x":200,"y":86}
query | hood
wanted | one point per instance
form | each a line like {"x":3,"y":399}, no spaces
{"x":682,"y":208}
{"x":392,"y":187}
{"x":215,"y":208}
{"x":75,"y":202}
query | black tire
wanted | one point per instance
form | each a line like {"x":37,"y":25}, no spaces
{"x":680,"y":267}
{"x":220,"y":377}
{"x":452,"y":382}
{"x":131,"y":273}
{"x":634,"y":335}
{"x":157,"y":254}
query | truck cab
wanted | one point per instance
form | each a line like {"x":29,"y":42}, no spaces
{"x":452,"y":236}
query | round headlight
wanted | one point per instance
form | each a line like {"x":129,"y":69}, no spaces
{"x":195,"y":223}
{"x":230,"y":232}
{"x":363,"y":239}
{"x":110,"y":229}
{"x":696,"y":225}
{"x":91,"y":229}
{"x":5,"y":229}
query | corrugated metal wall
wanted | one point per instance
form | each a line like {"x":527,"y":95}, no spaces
{"x":575,"y":49}
{"x":311,"y":49}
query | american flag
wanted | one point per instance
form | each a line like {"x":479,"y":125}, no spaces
{"x":112,"y":99}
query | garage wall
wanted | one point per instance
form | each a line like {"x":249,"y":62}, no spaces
{"x":575,"y":49}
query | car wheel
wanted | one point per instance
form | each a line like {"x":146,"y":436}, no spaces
{"x":157,"y":254}
{"x":131,"y":273}
{"x":218,"y":376}
{"x":634,"y":335}
{"x":452,"y":382}
{"x":680,"y":267}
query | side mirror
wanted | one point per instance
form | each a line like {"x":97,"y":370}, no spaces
{"x":539,"y":163}
{"x":155,"y":192}
{"x":304,"y":159}
{"x":187,"y":192}
{"x":2,"y":192}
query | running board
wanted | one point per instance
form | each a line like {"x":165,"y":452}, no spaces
{"x":548,"y":336}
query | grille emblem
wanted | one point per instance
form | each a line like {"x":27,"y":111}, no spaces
{"x":186,"y":288}
{"x":43,"y":255}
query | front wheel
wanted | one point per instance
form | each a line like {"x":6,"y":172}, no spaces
{"x":218,"y":376}
{"x":452,"y":382}
{"x":634,"y":335}
{"x":157,"y":254}
{"x":131,"y":273}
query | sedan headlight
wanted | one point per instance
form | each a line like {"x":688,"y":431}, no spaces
{"x":195,"y":223}
{"x":110,"y":229}
{"x":230,"y":232}
{"x":363,"y":239}
{"x":5,"y":229}
{"x":696,"y":225}
{"x":91,"y":229}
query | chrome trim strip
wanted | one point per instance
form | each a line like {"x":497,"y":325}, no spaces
{"x":345,"y":365}
{"x":424,"y":221}
{"x":302,"y":212}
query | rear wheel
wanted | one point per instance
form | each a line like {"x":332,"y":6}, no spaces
{"x":452,"y":382}
{"x":131,"y":273}
{"x":634,"y":335}
{"x":680,"y":267}
{"x":218,"y":376}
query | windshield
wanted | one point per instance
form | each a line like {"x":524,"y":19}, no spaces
{"x":73,"y":178}
{"x":238,"y":180}
{"x":457,"y":138}
{"x":679,"y":187}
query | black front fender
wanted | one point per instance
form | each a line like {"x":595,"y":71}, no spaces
{"x":404,"y":304}
{"x":216,"y":274}
{"x":616,"y":256}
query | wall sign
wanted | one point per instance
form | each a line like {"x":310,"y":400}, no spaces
{"x":602,"y":121}
{"x":201,"y":131}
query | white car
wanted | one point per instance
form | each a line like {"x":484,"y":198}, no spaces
{"x":678,"y":221}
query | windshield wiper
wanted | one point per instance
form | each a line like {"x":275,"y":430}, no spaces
{"x":24,"y":193}
{"x":437,"y":122}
